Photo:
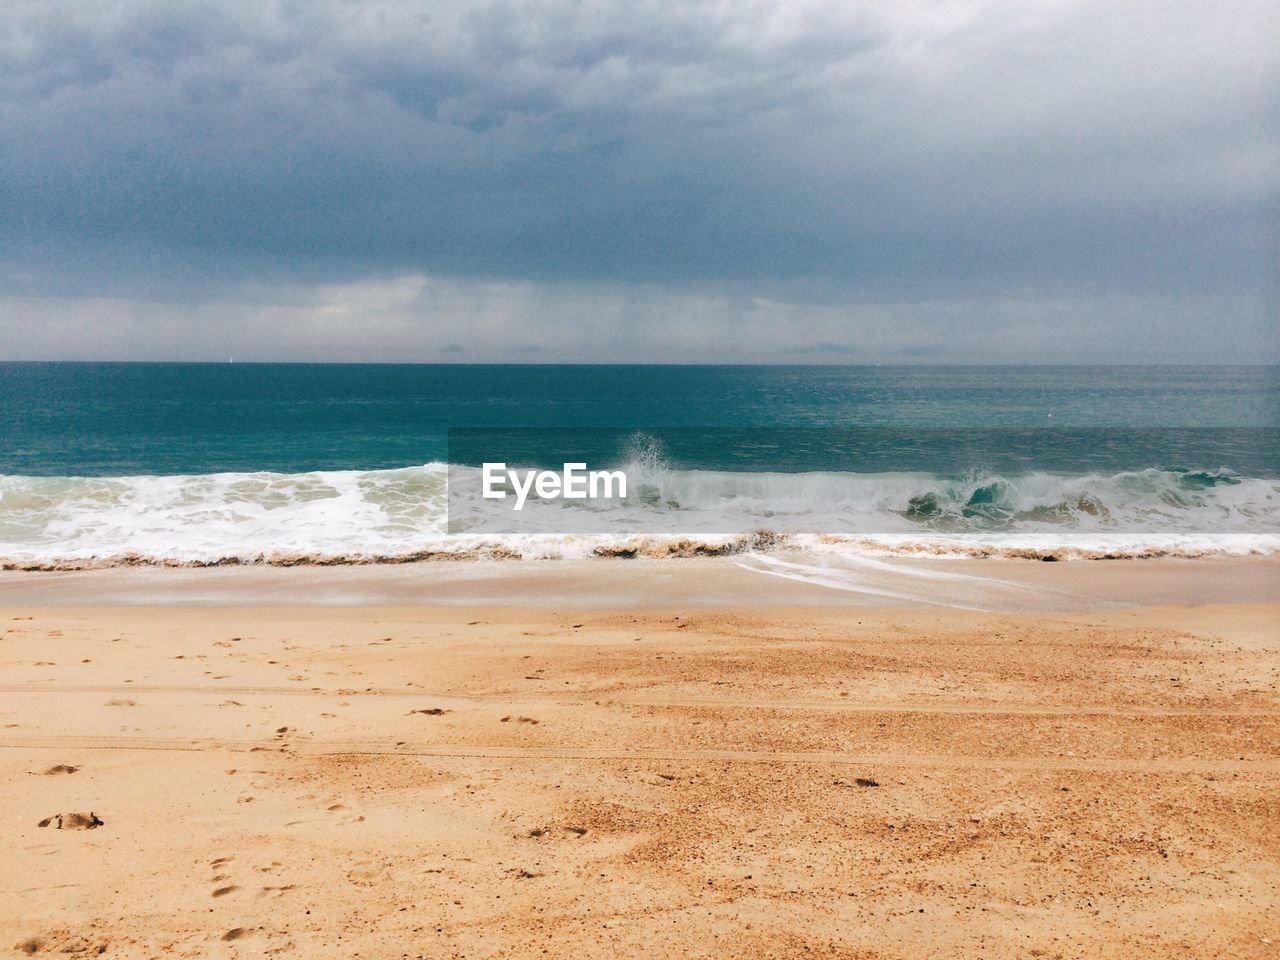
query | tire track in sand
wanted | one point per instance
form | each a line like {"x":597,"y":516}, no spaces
{"x":605,"y":698}
{"x":312,"y":748}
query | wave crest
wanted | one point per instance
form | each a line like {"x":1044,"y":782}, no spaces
{"x":399,"y":515}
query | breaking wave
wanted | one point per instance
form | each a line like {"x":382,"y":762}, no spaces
{"x":401,"y":515}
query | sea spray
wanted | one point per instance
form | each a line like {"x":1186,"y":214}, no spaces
{"x":401,"y":515}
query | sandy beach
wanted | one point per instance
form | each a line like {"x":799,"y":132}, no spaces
{"x":443,"y":780}
{"x":655,"y":481}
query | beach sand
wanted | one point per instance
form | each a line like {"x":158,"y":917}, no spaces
{"x":432,"y":780}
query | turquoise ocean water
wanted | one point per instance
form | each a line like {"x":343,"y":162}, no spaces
{"x":204,"y":463}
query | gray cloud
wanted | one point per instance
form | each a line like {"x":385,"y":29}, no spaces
{"x":825,"y":157}
{"x":421,"y":318}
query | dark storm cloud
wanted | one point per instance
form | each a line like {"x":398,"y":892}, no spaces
{"x":811,"y":152}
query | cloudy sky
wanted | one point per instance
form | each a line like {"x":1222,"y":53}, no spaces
{"x":615,"y":180}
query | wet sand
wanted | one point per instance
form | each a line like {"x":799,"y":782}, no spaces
{"x":443,"y":781}
{"x":797,"y":579}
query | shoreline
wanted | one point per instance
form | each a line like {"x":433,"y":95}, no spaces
{"x":777,"y":580}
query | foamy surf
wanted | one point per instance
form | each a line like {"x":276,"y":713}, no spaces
{"x":401,"y":515}
{"x":872,"y":576}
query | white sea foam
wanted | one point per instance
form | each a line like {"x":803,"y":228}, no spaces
{"x":400,"y":515}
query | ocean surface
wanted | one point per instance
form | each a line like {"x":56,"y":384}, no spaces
{"x":104,"y":464}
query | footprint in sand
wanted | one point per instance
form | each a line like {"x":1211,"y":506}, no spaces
{"x":345,"y":817}
{"x":218,"y":876}
{"x":64,"y":943}
{"x":538,"y":832}
{"x":367,"y":874}
{"x":350,"y":818}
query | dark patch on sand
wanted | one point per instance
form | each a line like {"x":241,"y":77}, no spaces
{"x":72,"y":821}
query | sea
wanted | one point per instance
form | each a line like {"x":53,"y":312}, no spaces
{"x":105,"y":464}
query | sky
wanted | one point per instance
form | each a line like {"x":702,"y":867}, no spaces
{"x":808,"y":181}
